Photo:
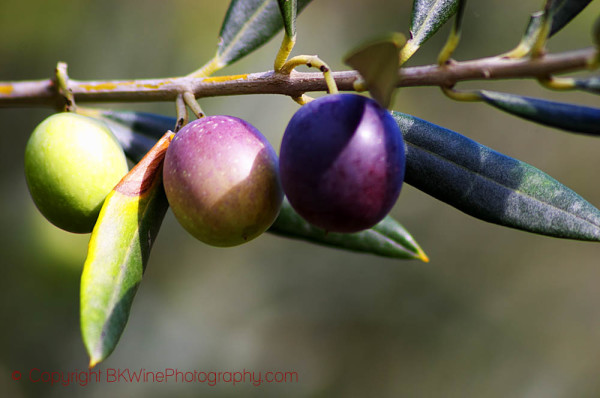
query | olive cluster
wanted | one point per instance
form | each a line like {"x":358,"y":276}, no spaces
{"x":341,"y":166}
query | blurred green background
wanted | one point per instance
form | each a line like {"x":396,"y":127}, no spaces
{"x":496,"y":313}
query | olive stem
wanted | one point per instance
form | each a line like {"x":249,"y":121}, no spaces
{"x":454,"y":37}
{"x":182,"y":113}
{"x":208,"y":69}
{"x":538,"y":49}
{"x":190,"y":101}
{"x":312,"y":61}
{"x":45,"y":93}
{"x":558,"y":83}
{"x":303,"y":99}
{"x":62,"y":82}
{"x":287,"y":45}
{"x":464,"y":96}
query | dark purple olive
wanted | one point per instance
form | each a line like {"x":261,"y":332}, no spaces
{"x":342,"y":162}
{"x":221,"y":178}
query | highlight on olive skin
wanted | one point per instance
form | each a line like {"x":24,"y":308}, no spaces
{"x":342,"y":162}
{"x":221,"y":178}
{"x":71,"y":163}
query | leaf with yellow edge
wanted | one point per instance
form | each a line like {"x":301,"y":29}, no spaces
{"x":118,"y":252}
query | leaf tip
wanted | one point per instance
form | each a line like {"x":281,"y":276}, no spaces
{"x":422,"y":256}
{"x":94,"y":362}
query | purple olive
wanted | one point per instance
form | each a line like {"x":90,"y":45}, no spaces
{"x":342,"y":162}
{"x":221,"y":178}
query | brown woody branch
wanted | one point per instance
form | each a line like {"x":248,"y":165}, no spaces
{"x":44,"y":92}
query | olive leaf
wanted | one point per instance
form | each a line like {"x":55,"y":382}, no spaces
{"x":569,"y":117}
{"x":491,"y":186}
{"x":388,"y":238}
{"x":150,"y":124}
{"x":137,"y":132}
{"x":590,"y":84}
{"x":426,"y":18}
{"x":118,"y":252}
{"x":378,"y":64}
{"x":248,"y":25}
{"x":562,"y":11}
{"x":134,"y":145}
{"x":288,"y":9}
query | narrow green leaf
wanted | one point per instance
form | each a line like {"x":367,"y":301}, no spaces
{"x":134,"y":145}
{"x":569,"y":117}
{"x":388,"y":238}
{"x":137,"y":132}
{"x":288,"y":13}
{"x":564,"y":11}
{"x":427,"y":17}
{"x":378,"y":64}
{"x":118,"y":252}
{"x":248,"y":25}
{"x":590,"y":84}
{"x":149,"y":124}
{"x":491,"y":186}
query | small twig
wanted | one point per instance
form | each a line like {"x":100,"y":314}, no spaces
{"x":464,"y":96}
{"x":182,"y":113}
{"x":190,"y":101}
{"x":312,"y":61}
{"x":454,"y":37}
{"x":538,"y":48}
{"x":208,"y":69}
{"x":558,"y":83}
{"x":62,"y":84}
{"x":303,"y":99}
{"x":287,"y":45}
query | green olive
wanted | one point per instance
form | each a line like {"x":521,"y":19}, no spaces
{"x":71,"y":163}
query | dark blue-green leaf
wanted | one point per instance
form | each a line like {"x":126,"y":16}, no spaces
{"x":288,"y":10}
{"x":569,"y":117}
{"x":134,"y":145}
{"x":149,"y":124}
{"x":249,"y":24}
{"x":564,"y":11}
{"x":491,"y":186}
{"x":590,"y":84}
{"x":388,"y":238}
{"x":427,"y":17}
{"x":137,"y":132}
